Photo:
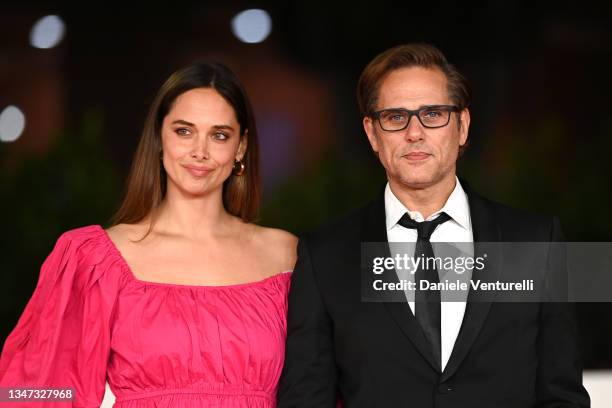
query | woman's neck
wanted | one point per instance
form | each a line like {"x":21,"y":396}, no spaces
{"x":193,"y":216}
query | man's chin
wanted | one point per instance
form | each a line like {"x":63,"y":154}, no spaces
{"x":415,"y":183}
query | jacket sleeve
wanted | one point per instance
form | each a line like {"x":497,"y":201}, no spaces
{"x":559,"y":375}
{"x":309,"y":374}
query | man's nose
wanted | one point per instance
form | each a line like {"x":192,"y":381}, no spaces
{"x":414,"y":130}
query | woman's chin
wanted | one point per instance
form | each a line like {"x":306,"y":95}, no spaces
{"x":191,"y":191}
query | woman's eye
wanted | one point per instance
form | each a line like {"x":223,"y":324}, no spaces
{"x":182,"y":131}
{"x":220,"y":136}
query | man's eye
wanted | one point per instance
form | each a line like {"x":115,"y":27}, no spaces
{"x":394,"y":117}
{"x":432,"y":113}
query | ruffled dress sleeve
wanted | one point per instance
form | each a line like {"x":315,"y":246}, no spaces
{"x":62,"y":339}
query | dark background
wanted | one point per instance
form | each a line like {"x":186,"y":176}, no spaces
{"x":540,"y":139}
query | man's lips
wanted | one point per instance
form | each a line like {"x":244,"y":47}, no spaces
{"x":417,"y":156}
{"x":197,"y":171}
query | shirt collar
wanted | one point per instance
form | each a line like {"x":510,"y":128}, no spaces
{"x":456,"y":207}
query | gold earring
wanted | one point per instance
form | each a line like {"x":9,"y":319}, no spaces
{"x":238,"y":168}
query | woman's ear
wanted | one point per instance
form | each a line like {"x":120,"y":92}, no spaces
{"x":242,"y":146}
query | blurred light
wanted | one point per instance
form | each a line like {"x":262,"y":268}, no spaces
{"x":12,"y":123}
{"x":252,"y":26}
{"x":47,"y":32}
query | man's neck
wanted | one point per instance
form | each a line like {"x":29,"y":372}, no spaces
{"x":426,"y":200}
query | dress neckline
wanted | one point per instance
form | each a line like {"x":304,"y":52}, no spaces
{"x":133,"y":277}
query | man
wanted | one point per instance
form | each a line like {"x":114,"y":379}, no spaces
{"x":421,"y":353}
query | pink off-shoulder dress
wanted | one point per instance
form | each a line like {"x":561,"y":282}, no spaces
{"x":91,"y":320}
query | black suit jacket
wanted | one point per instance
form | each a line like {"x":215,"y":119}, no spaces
{"x":375,"y":355}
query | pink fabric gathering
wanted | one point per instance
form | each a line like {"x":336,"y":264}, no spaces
{"x":158,"y":345}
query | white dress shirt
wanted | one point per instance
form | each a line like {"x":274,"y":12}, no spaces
{"x":458,"y":229}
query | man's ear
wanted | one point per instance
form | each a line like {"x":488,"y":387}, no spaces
{"x":242,"y":146}
{"x":464,"y":126}
{"x":368,"y":126}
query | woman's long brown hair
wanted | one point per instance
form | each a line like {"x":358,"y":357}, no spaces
{"x":146,"y":186}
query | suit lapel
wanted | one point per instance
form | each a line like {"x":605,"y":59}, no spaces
{"x":374,"y":230}
{"x":485,"y":228}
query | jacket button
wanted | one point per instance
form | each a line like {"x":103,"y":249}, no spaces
{"x":444,"y":388}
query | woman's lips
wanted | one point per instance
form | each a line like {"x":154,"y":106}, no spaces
{"x":417,"y":156}
{"x":198,"y":171}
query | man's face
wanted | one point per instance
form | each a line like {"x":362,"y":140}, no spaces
{"x":417,"y":157}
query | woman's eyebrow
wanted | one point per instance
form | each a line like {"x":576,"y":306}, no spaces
{"x":183,"y":122}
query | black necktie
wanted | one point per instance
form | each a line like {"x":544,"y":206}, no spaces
{"x":427,"y":302}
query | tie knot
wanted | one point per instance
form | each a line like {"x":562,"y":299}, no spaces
{"x":425,"y":228}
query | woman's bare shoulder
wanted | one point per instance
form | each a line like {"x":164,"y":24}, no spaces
{"x":278,"y":245}
{"x":122,"y":234}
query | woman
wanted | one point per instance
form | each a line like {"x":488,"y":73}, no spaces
{"x":181,"y":303}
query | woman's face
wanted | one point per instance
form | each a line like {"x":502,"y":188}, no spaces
{"x":200,"y":142}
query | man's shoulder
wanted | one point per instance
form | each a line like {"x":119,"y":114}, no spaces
{"x":338,"y":230}
{"x":513,"y":213}
{"x":515,"y":223}
{"x":366,"y":223}
{"x":334,"y":245}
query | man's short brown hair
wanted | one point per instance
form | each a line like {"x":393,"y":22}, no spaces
{"x":404,"y":56}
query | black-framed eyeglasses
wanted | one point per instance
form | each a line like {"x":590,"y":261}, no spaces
{"x":431,"y":117}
